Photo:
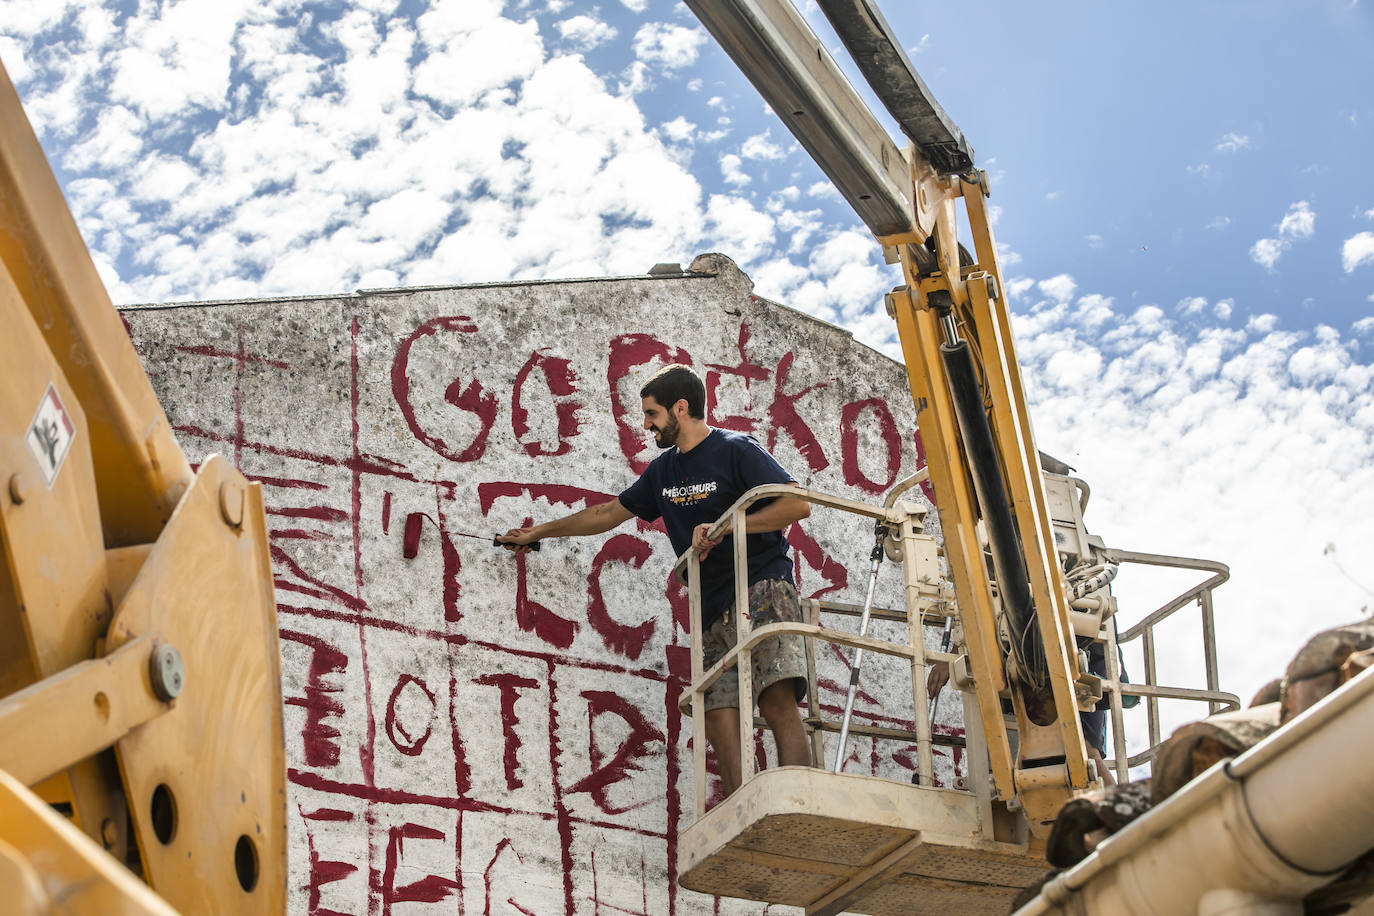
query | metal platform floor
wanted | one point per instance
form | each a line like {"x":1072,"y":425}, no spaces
{"x":833,"y":843}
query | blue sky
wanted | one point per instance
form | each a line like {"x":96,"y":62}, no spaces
{"x":1183,"y":195}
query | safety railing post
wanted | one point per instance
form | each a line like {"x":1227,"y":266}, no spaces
{"x":1151,"y":679}
{"x":1118,"y":719}
{"x":745,"y":667}
{"x":698,"y":695}
{"x":1209,"y":645}
{"x":915,"y":604}
{"x":813,"y":702}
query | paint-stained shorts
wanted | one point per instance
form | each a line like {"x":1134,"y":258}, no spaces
{"x":775,"y":659}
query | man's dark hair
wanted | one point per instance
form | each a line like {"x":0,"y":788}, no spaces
{"x":677,"y":383}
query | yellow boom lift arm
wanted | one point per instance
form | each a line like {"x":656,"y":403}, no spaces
{"x":955,"y":331}
{"x":139,"y":685}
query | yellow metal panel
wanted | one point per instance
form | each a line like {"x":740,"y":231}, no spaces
{"x":61,"y":870}
{"x":96,"y":703}
{"x":53,"y":543}
{"x":216,"y":759}
{"x":54,"y":605}
{"x":140,"y":470}
{"x":1016,"y":444}
{"x":954,"y":500}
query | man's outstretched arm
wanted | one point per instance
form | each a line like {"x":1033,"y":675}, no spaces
{"x":596,"y":519}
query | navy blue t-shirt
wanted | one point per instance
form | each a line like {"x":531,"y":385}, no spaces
{"x":690,"y":488}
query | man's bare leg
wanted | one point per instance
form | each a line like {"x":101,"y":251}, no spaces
{"x":778,"y":706}
{"x":722,"y":733}
{"x":1102,"y":770}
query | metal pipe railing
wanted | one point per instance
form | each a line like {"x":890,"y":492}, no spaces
{"x":925,"y":611}
{"x":1216,"y":699}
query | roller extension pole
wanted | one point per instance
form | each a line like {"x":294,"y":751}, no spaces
{"x":876,"y":558}
{"x":944,"y":647}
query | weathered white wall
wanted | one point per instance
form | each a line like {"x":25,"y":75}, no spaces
{"x":469,"y":731}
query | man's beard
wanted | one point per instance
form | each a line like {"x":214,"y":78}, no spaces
{"x":667,"y":437}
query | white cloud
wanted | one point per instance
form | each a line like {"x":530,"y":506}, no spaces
{"x":1193,"y":305}
{"x":730,"y":169}
{"x":1209,"y":419}
{"x":1053,"y":195}
{"x":1363,"y":326}
{"x":635,"y":6}
{"x":760,"y":146}
{"x":467,"y":59}
{"x":1060,"y":287}
{"x":1095,"y":241}
{"x":1018,"y":285}
{"x":1232,"y":142}
{"x":16,"y":64}
{"x":585,"y":32}
{"x":634,"y":79}
{"x":736,"y":226}
{"x":1299,"y":222}
{"x":920,"y":45}
{"x":1266,"y":252}
{"x":844,"y":282}
{"x":1201,"y":168}
{"x":670,"y":46}
{"x":1223,"y":309}
{"x":824,"y":189}
{"x":679,"y":130}
{"x":178,"y":60}
{"x":1220,"y":222}
{"x":1357,"y":250}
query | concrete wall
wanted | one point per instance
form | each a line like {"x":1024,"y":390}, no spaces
{"x":469,"y":731}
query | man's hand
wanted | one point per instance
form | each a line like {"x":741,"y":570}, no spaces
{"x":518,"y":539}
{"x":701,"y":543}
{"x":936,"y":678}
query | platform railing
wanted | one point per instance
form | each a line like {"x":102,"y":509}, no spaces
{"x":1151,"y":690}
{"x":923,"y":605}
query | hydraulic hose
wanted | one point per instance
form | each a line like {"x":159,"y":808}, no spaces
{"x":1013,"y":585}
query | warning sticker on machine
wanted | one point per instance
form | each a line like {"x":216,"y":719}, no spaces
{"x":50,"y":435}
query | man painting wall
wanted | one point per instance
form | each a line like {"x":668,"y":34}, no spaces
{"x":701,"y":473}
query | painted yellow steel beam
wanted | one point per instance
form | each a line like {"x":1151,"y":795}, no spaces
{"x":66,"y":718}
{"x":49,"y":866}
{"x":55,"y":605}
{"x":955,"y":502}
{"x":140,"y":470}
{"x":215,"y":763}
{"x":1016,"y":442}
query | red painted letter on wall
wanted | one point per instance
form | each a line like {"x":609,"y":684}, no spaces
{"x":472,"y":398}
{"x":629,"y":352}
{"x":849,"y":444}
{"x":562,"y":384}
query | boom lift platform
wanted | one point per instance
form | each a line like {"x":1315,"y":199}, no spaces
{"x":832,"y":842}
{"x":836,"y":842}
{"x":139,"y":686}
